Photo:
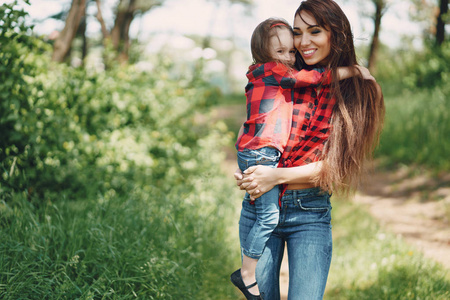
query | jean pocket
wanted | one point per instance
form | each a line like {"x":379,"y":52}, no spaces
{"x":319,"y":202}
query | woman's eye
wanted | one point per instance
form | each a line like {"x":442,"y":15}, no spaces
{"x":292,"y":51}
{"x":315,"y":32}
{"x":297,"y":33}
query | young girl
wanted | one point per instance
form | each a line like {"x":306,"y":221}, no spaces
{"x":264,"y":135}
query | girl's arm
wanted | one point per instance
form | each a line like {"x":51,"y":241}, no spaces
{"x":347,"y":72}
{"x":241,"y":130}
{"x":258,"y":180}
{"x":306,"y":78}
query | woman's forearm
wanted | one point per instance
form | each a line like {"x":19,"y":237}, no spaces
{"x":298,"y":175}
{"x":257,"y":180}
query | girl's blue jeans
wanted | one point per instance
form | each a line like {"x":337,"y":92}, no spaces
{"x":305,"y":228}
{"x":266,"y":207}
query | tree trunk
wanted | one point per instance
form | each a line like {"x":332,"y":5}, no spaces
{"x":440,"y":26}
{"x":100,"y":19}
{"x":375,"y":39}
{"x":64,"y":41}
{"x":82,"y":32}
{"x":120,"y":32}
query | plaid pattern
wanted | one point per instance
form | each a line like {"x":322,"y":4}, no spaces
{"x":310,"y":127}
{"x":270,"y":109}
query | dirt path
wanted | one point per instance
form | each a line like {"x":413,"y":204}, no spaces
{"x":415,"y":207}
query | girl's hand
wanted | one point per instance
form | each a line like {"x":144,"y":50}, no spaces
{"x":365,"y":73}
{"x":258,"y":180}
{"x":242,"y":181}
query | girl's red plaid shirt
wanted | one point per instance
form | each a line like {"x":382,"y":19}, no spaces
{"x":273,"y":105}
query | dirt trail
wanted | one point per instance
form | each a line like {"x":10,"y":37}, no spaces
{"x":415,"y":207}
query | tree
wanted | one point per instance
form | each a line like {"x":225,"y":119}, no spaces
{"x":440,"y":24}
{"x":380,"y":9}
{"x":126,"y":12}
{"x":64,"y":40}
{"x":116,"y":38}
{"x":434,"y":15}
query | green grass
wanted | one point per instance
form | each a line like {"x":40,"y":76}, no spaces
{"x":135,"y":247}
{"x":417,"y":128}
{"x":371,"y":263}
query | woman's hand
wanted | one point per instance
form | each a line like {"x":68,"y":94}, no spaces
{"x":258,"y":180}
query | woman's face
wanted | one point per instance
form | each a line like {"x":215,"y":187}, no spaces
{"x":311,"y":40}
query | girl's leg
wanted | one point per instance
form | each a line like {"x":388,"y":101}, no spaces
{"x":248,"y":273}
{"x":268,"y":265}
{"x":267,"y":216}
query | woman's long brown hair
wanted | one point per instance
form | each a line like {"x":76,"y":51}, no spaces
{"x":358,"y":114}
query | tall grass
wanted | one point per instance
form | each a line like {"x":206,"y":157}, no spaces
{"x":417,"y":128}
{"x":416,"y":86}
{"x":140,"y":246}
{"x":371,"y":263}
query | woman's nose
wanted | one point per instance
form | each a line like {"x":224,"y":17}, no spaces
{"x":305,"y":40}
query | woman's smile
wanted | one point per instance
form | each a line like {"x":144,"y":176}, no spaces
{"x":308,"y":53}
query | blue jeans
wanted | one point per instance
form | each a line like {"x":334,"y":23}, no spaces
{"x":305,"y":228}
{"x":266,"y":207}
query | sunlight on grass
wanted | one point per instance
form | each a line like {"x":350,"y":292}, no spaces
{"x":370,"y":263}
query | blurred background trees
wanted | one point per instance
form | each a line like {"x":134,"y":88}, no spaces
{"x":116,"y":41}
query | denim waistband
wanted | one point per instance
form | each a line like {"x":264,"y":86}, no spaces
{"x":292,"y":194}
{"x":304,"y":191}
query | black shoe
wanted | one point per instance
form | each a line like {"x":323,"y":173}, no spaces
{"x":236,"y":279}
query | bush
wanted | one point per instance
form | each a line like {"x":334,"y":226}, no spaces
{"x":106,"y":180}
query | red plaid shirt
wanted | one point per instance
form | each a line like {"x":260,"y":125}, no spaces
{"x":311,"y":123}
{"x":270,"y":111}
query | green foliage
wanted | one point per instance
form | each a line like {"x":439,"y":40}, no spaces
{"x":411,"y":69}
{"x":416,"y":87}
{"x":15,"y":69}
{"x":105,"y":186}
{"x":369,"y":263}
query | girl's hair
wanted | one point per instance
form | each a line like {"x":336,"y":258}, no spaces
{"x":358,"y":114}
{"x":260,"y":42}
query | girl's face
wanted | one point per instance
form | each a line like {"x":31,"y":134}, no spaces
{"x":282,"y":46}
{"x":311,"y":40}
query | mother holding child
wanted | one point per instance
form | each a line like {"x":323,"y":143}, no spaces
{"x":309,"y":129}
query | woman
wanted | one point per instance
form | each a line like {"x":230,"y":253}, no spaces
{"x":325,"y":153}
